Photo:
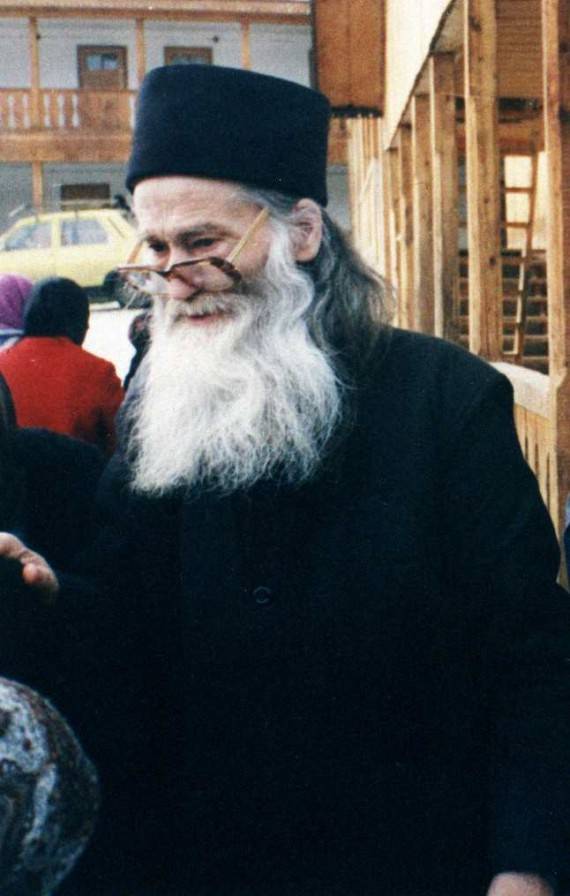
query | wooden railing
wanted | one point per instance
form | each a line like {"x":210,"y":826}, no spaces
{"x":364,"y":149}
{"x":533,"y":426}
{"x":66,"y":110}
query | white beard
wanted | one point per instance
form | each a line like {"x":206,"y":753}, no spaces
{"x":226,"y":404}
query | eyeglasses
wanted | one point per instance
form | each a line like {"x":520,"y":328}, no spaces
{"x":216,"y":273}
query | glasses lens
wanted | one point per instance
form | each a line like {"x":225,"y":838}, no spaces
{"x":211,"y":275}
{"x":141,"y":283}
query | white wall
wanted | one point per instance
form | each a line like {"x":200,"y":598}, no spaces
{"x":59,"y":39}
{"x":14,"y":53}
{"x":410,"y":27}
{"x":223,"y":38}
{"x":281,"y":50}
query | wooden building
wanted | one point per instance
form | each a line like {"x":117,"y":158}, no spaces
{"x":70,"y":71}
{"x":457,"y":124}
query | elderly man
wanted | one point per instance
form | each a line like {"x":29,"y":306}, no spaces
{"x":322,"y":646}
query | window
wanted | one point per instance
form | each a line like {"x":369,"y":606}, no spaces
{"x":83,"y":232}
{"x":30,"y":236}
{"x":101,"y":61}
{"x":188,"y":55}
{"x":102,"y":67}
{"x":74,"y":195}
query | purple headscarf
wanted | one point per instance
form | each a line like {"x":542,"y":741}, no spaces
{"x":14,"y":292}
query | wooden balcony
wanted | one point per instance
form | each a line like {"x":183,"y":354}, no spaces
{"x":65,"y":125}
{"x":66,"y":110}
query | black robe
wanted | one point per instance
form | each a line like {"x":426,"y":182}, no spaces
{"x":358,"y":686}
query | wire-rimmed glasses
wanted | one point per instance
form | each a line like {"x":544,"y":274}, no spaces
{"x":216,"y":274}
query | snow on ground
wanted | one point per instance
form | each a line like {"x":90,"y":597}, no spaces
{"x":107,"y":335}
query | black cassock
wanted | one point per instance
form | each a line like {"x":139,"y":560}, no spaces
{"x":359,"y":686}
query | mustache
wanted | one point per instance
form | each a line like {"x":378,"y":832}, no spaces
{"x":232,"y":302}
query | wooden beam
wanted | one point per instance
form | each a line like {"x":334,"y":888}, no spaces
{"x":389,"y":234}
{"x":140,"y":49}
{"x":245,"y":45}
{"x":423,"y":292}
{"x":37,"y":184}
{"x":268,"y":11}
{"x":556,"y":56}
{"x":483,"y":184}
{"x":43,"y":146}
{"x":349,"y":51}
{"x":405,"y":230}
{"x":393,"y":229}
{"x":445,"y":194}
{"x":236,"y":7}
{"x":33,"y":43}
{"x":338,"y":141}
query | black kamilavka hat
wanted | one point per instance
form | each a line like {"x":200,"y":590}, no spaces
{"x":231,"y":124}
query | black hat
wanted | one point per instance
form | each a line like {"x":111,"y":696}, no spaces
{"x":231,"y":124}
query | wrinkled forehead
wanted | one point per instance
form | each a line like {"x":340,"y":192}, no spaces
{"x":187,"y":198}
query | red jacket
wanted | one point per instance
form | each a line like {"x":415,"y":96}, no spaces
{"x":58,"y":385}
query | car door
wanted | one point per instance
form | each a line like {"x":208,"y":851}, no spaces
{"x":86,"y":250}
{"x":28,"y":249}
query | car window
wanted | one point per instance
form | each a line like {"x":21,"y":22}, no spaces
{"x":30,"y":236}
{"x":83,"y":232}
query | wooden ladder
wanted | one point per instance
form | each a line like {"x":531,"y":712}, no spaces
{"x":524,"y":261}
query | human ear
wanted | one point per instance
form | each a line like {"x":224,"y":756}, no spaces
{"x":308,"y":230}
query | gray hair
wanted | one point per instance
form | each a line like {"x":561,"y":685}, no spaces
{"x":352,"y":304}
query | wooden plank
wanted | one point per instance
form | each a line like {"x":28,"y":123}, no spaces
{"x":140,"y":49}
{"x":556,"y":53}
{"x":33,"y":41}
{"x":519,"y":48}
{"x":388,"y":217}
{"x":423,"y":289}
{"x":269,"y":11}
{"x":392,"y":163}
{"x":245,"y":45}
{"x":235,"y":7}
{"x":405,"y":230}
{"x":367,"y":47}
{"x":349,"y":51}
{"x":445,"y":194}
{"x":338,"y":141}
{"x":331,"y":38}
{"x":37,"y":184}
{"x":365,"y":188}
{"x":64,"y":147}
{"x":483,"y":184}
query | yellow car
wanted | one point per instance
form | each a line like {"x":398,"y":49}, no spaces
{"x":83,"y":245}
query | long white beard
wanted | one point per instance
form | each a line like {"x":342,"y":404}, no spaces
{"x":226,"y":404}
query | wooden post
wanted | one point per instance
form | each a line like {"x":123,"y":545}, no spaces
{"x":483,"y":179}
{"x":34,"y":46}
{"x":423,"y":300}
{"x":246,"y":45}
{"x":445,"y":195}
{"x":388,"y":230}
{"x":140,"y":47}
{"x":37,"y":185}
{"x":556,"y":55}
{"x":393,"y":205}
{"x":406,"y":230}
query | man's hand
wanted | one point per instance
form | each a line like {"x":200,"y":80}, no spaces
{"x":512,"y":884}
{"x":36,"y":572}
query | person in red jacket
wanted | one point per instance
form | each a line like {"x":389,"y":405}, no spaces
{"x":55,"y":383}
